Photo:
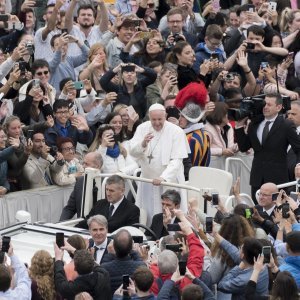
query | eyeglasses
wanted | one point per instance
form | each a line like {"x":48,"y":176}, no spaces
{"x":264,"y":195}
{"x":64,"y":112}
{"x":41,"y":73}
{"x":68,"y":149}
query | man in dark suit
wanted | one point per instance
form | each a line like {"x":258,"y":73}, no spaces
{"x":170,"y":200}
{"x":294,"y":116}
{"x":264,"y":211}
{"x":98,"y":228}
{"x":116,"y":208}
{"x":269,"y":135}
{"x":91,"y":160}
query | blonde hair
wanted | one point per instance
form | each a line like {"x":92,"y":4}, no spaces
{"x":287,"y":17}
{"x":94,"y":48}
{"x":119,"y":106}
{"x":42,"y":271}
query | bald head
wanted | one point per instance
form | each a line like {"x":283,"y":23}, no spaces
{"x":265,"y":195}
{"x":93,"y":160}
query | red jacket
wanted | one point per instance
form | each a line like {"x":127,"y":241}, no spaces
{"x":194,"y":264}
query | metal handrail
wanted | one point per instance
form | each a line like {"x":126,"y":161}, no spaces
{"x":229,"y":159}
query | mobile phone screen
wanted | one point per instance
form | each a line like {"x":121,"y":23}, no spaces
{"x":209,"y":224}
{"x":60,"y":239}
{"x":215,"y":199}
{"x":266,"y":251}
{"x":125,"y":282}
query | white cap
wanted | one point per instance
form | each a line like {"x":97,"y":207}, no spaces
{"x":156,"y":106}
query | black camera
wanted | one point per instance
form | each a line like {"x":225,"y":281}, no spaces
{"x":229,"y":77}
{"x":177,"y":37}
{"x":30,"y":47}
{"x":53,"y":151}
{"x":253,"y":106}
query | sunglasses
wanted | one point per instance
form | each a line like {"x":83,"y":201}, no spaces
{"x":151,"y":5}
{"x":41,"y":73}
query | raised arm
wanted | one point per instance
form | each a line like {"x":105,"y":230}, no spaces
{"x":52,"y":20}
{"x":69,"y":15}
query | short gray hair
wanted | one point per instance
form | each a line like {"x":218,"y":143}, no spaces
{"x":172,"y":195}
{"x":167,"y":262}
{"x":99,"y":219}
{"x":115,"y":179}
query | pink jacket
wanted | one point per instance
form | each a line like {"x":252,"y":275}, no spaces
{"x":217,"y":143}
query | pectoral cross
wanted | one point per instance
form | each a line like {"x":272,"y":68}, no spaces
{"x":150,"y":158}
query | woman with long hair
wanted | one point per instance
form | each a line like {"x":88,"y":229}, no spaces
{"x":115,"y":156}
{"x":220,"y":132}
{"x":289,"y":25}
{"x":129,"y":123}
{"x":41,"y":272}
{"x":152,"y":49}
{"x":36,"y":106}
{"x":96,"y":66}
{"x":183,"y":56}
{"x":234,"y":229}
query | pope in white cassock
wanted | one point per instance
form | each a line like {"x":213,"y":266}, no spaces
{"x":159,"y":147}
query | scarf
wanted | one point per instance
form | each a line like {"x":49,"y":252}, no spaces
{"x":113,"y":152}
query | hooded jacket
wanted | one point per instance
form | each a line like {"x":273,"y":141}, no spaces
{"x":202,"y":53}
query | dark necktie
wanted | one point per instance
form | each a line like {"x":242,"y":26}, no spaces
{"x":95,"y":253}
{"x":110,"y":211}
{"x":265,"y":132}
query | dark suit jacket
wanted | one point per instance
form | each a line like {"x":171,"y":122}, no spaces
{"x":91,"y":244}
{"x":126,"y":214}
{"x":268,"y":225}
{"x":74,"y":203}
{"x":270,"y":160}
{"x":158,"y":226}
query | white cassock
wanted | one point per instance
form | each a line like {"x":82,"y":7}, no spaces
{"x":168,"y":147}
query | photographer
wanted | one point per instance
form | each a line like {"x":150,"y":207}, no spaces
{"x":176,"y":31}
{"x":22,"y":282}
{"x":269,"y":135}
{"x":40,"y":162}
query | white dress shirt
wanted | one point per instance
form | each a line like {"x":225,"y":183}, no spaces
{"x":101,"y":250}
{"x":261,"y":126}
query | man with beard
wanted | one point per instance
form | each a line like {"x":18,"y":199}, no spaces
{"x":85,"y":29}
{"x":37,"y":168}
{"x":43,"y":35}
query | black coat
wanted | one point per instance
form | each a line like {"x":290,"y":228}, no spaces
{"x":126,"y":214}
{"x":270,"y":160}
{"x":95,"y":283}
{"x":158,"y":227}
{"x":74,"y":203}
{"x":119,"y":267}
{"x":140,"y":104}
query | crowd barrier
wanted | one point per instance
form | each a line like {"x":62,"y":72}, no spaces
{"x":44,"y":204}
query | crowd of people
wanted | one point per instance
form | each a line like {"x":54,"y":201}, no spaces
{"x":160,"y":85}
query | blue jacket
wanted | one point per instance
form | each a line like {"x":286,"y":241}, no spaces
{"x":292,"y":264}
{"x":202,"y":53}
{"x":78,"y":136}
{"x":236,"y":280}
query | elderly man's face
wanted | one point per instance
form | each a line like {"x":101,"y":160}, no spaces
{"x":265,"y":196}
{"x":98,"y":232}
{"x":157,"y":118}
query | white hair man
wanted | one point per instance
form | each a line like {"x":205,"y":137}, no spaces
{"x":159,"y":147}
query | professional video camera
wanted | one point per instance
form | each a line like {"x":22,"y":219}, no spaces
{"x":253,"y":106}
